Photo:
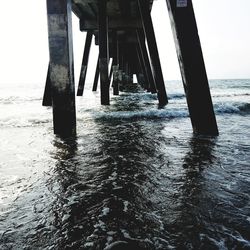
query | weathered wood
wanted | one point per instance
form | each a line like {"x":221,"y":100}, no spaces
{"x":192,"y":68}
{"x":153,"y":51}
{"x":103,"y":51}
{"x":97,"y":74}
{"x":61,"y":66}
{"x":85,"y":60}
{"x":47,"y":96}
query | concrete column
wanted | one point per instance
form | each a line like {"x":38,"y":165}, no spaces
{"x":115,"y":48}
{"x":120,"y":61}
{"x":111,"y":72}
{"x":143,"y":48}
{"x":85,"y":60}
{"x":103,"y":51}
{"x":144,"y":79}
{"x":97,"y":73}
{"x":153,"y":51}
{"x":115,"y":80}
{"x":47,"y":96}
{"x":61,"y":66}
{"x":138,"y":70}
{"x":192,"y":67}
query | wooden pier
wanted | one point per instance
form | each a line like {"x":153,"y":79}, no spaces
{"x":124,"y":32}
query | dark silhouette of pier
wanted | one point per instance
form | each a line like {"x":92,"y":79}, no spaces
{"x":124,"y":32}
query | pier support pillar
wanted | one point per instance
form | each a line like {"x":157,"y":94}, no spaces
{"x":115,"y":80}
{"x":192,"y":67}
{"x":97,"y":73}
{"x":153,"y":51}
{"x":115,"y":83}
{"x":144,"y":80}
{"x":143,"y":48}
{"x":85,"y":60}
{"x":138,"y":68}
{"x":47,"y":96}
{"x":111,"y":72}
{"x":61,"y":66}
{"x":103,"y":51}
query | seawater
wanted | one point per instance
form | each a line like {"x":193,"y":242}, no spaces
{"x":135,"y":175}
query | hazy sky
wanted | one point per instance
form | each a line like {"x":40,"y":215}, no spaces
{"x":223,"y":27}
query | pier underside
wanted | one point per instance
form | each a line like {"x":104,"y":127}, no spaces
{"x":124,"y":32}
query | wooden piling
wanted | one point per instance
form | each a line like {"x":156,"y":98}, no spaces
{"x":61,"y":66}
{"x":85,"y":60}
{"x":103,"y":51}
{"x":153,"y":51}
{"x":192,"y":67}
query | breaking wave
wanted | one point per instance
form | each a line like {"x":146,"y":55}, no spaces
{"x":232,"y":108}
{"x":149,"y":114}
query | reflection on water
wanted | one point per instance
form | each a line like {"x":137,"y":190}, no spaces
{"x":103,"y":189}
{"x":126,"y":183}
{"x":190,"y":226}
{"x":134,"y":178}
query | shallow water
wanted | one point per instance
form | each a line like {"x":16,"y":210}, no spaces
{"x":134,"y":173}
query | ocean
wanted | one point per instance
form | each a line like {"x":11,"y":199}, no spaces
{"x":135,"y":176}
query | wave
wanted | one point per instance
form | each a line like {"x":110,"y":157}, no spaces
{"x":18,"y":99}
{"x":245,"y":107}
{"x":145,"y":96}
{"x":232,"y":108}
{"x":170,"y":113}
{"x":142,"y":114}
{"x":230,"y":95}
{"x":176,"y":96}
{"x":22,"y":122}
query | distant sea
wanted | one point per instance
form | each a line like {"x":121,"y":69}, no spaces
{"x":134,"y":176}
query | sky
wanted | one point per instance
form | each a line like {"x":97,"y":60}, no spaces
{"x":223,"y":29}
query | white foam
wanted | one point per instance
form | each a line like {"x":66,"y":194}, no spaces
{"x":125,"y":203}
{"x":231,"y":107}
{"x":105,"y":211}
{"x":154,"y":113}
{"x":65,"y":217}
{"x":89,"y":244}
{"x":226,"y":108}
